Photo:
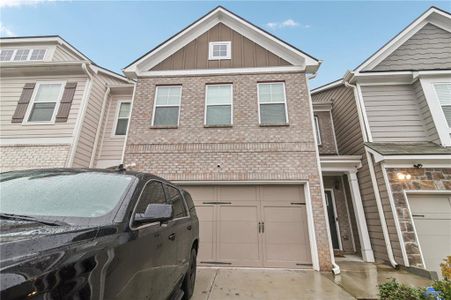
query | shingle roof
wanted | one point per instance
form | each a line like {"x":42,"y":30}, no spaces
{"x":409,"y":149}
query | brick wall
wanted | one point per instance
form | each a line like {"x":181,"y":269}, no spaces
{"x":422,"y":179}
{"x":327,"y":145}
{"x":20,"y":157}
{"x":243,"y":152}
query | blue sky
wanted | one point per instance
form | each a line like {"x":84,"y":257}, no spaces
{"x":114,"y":33}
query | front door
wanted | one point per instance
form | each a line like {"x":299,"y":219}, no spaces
{"x":332,"y":219}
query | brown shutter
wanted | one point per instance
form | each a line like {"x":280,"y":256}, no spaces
{"x":24,"y":100}
{"x":66,"y":102}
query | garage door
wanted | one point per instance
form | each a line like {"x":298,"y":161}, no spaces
{"x":252,"y":226}
{"x":432,"y":217}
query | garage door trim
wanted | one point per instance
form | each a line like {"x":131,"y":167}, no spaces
{"x":309,"y":209}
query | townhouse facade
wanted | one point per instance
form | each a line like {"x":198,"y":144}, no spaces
{"x":280,"y":177}
{"x":58,"y":108}
{"x":394,"y":111}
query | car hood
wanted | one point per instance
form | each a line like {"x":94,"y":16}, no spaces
{"x":24,"y":239}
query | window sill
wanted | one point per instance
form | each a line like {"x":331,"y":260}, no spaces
{"x":275,"y":125}
{"x":164,"y":127}
{"x":218,"y":126}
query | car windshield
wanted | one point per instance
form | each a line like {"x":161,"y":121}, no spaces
{"x":61,"y":193}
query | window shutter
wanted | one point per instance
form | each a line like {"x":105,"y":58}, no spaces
{"x":66,"y":102}
{"x":24,"y":100}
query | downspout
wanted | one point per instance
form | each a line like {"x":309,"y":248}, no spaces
{"x":335,"y":267}
{"x":81,"y":115}
{"x":99,"y":125}
{"x":369,"y":159}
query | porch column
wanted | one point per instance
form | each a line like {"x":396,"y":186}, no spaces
{"x":365,"y":245}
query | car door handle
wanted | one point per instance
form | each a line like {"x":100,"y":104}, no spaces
{"x":189,"y":227}
{"x":171,"y":236}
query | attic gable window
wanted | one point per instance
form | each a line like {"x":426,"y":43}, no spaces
{"x":22,"y":54}
{"x":220,"y":50}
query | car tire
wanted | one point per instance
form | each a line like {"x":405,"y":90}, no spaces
{"x":190,"y":277}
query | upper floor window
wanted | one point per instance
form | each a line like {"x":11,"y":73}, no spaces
{"x":317,"y":130}
{"x":220,"y":50}
{"x":123,"y":115}
{"x":167,"y":106}
{"x":44,"y":102}
{"x":218,"y":104}
{"x":272,"y":103}
{"x":22,"y":54}
{"x":443,"y":91}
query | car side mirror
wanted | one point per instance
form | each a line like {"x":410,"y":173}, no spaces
{"x":155,"y":212}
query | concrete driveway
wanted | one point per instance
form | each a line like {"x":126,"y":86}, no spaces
{"x":218,"y":284}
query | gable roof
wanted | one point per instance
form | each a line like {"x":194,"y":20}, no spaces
{"x":56,"y":39}
{"x":260,"y":36}
{"x":433,"y":15}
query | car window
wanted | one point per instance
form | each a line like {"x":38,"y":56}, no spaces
{"x":153,"y":193}
{"x":175,"y":198}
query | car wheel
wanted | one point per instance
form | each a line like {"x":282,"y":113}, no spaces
{"x":190,"y":276}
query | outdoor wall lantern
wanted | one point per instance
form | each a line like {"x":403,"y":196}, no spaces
{"x":402,"y":176}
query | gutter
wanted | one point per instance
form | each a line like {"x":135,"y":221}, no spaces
{"x":372,"y":173}
{"x":99,"y":125}
{"x":335,"y":268}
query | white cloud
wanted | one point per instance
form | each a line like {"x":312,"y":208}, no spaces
{"x":288,"y":23}
{"x":5,"y":31}
{"x":16,"y":3}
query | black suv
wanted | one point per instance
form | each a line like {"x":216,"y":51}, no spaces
{"x":95,"y":234}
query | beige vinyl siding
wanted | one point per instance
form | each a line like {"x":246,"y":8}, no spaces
{"x":393,"y":113}
{"x":429,"y":48}
{"x":10,"y":91}
{"x":389,"y":218}
{"x":245,"y":53}
{"x":350,"y":142}
{"x":91,"y":120}
{"x":62,"y":54}
{"x":111,"y":146}
{"x":425,"y":112}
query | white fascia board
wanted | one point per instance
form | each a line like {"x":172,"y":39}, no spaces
{"x":220,"y":15}
{"x":433,"y":16}
{"x":195,"y":72}
{"x":322,"y":106}
{"x":98,"y":69}
{"x":327,"y":86}
{"x":340,"y":163}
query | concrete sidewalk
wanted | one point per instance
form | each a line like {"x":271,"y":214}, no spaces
{"x":222,"y":283}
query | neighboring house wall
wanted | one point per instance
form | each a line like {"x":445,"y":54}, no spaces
{"x":428,"y":49}
{"x":245,"y":53}
{"x":245,"y":152}
{"x":111,"y":147}
{"x":425,"y":112}
{"x":327,"y":146}
{"x":393,"y":113}
{"x":350,"y":142}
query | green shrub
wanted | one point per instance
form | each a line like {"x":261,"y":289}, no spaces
{"x":444,"y":287}
{"x":393,"y":290}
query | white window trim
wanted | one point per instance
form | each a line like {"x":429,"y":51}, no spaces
{"x":318,"y":131}
{"x":171,"y":105}
{"x":32,"y":101}
{"x":231,"y":103}
{"x":116,"y":119}
{"x":282,"y":102}
{"x":441,"y":125}
{"x":229,"y":50}
{"x":45,"y":58}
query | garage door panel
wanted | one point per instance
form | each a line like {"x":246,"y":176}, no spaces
{"x":432,"y":219}
{"x":204,"y":193}
{"x":238,"y":193}
{"x":293,"y":193}
{"x":206,"y":232}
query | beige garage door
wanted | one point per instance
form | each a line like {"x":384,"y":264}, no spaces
{"x":254,"y":226}
{"x":432,"y":217}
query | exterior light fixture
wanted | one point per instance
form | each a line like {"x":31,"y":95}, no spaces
{"x":408,"y":176}
{"x":402,"y":176}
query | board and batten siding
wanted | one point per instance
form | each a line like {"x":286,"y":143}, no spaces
{"x":429,"y":48}
{"x":91,"y":120}
{"x":10,"y":91}
{"x":111,"y":146}
{"x":393,"y":113}
{"x":350,"y":142}
{"x":245,"y":53}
